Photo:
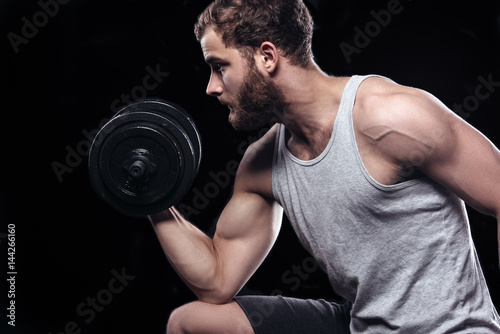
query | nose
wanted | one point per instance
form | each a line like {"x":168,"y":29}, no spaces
{"x":214,"y":87}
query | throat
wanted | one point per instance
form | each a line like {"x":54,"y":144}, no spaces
{"x":304,"y":148}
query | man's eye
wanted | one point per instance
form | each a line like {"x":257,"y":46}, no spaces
{"x":218,"y":67}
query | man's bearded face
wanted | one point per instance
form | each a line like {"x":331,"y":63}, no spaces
{"x":258,"y":102}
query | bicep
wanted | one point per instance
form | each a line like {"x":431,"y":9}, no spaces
{"x":246,"y":231}
{"x":249,"y":224}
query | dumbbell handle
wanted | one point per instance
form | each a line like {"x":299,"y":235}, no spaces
{"x":138,"y":169}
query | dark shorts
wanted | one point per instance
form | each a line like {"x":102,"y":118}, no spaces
{"x":278,"y":314}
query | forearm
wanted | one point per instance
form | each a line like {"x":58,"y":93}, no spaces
{"x":188,"y":249}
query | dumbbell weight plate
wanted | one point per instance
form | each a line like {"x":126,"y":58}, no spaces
{"x":173,"y":112}
{"x":145,"y":159}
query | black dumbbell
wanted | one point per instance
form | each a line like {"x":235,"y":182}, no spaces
{"x":145,"y":159}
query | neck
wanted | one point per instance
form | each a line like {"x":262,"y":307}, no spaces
{"x":312,"y":101}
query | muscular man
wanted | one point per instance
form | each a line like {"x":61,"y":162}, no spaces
{"x":373,"y":176}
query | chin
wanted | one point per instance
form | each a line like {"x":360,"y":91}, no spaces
{"x":241,"y":125}
{"x":236,"y":124}
{"x":243,"y":121}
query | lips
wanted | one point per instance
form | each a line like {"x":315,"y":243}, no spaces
{"x":226,"y":103}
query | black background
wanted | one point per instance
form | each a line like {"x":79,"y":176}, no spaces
{"x":62,"y":82}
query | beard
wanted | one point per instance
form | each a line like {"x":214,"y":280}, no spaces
{"x":259,"y":102}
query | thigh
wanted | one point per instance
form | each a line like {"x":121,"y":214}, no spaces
{"x":291,"y":315}
{"x":200,"y":317}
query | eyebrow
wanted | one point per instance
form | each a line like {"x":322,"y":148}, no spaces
{"x":213,"y":59}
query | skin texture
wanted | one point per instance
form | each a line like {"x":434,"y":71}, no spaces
{"x":253,"y":101}
{"x":401,"y":133}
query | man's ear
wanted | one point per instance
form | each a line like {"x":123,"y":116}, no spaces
{"x":269,"y":57}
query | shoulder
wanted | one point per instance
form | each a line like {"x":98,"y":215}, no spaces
{"x":254,"y":172}
{"x":386,"y":102}
{"x":402,"y":120}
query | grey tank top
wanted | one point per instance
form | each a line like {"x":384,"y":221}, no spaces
{"x":403,"y":254}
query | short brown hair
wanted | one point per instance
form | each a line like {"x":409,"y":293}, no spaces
{"x":248,"y":23}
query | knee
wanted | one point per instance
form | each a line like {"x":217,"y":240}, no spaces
{"x":200,"y":317}
{"x":178,"y":320}
{"x":187,"y":319}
